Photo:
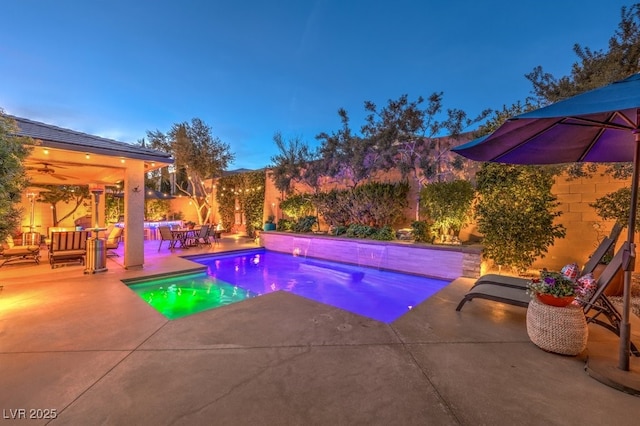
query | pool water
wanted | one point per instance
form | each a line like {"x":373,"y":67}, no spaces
{"x":182,"y":295}
{"x":233,"y":277}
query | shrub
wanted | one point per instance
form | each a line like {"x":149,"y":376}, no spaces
{"x":447,"y":205}
{"x":305,"y":224}
{"x":285,"y":225}
{"x":386,"y":233}
{"x":615,"y":205}
{"x":360,"y":231}
{"x":297,"y":206}
{"x":421,"y":232}
{"x":373,"y":204}
{"x":516,"y":213}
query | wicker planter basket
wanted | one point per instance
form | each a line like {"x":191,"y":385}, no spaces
{"x":559,"y":330}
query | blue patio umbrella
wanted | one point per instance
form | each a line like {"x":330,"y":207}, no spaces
{"x":601,"y":125}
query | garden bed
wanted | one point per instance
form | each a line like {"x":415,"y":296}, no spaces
{"x":438,"y":261}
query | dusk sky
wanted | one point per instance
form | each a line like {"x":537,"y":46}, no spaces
{"x":250,"y":68}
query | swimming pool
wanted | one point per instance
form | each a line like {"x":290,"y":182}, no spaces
{"x":236,"y":276}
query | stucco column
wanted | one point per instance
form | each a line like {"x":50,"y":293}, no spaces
{"x":134,"y":215}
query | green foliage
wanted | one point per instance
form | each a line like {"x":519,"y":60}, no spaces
{"x":516,"y":213}
{"x":553,"y":283}
{"x":76,"y":195}
{"x":338,"y":230}
{"x":114,"y":208}
{"x":421,"y":232}
{"x":13,"y":179}
{"x":616,"y":206}
{"x":297,"y":206}
{"x":407,"y":135}
{"x":334,"y":206}
{"x":595,"y":68}
{"x":285,"y":225}
{"x":245,"y":191}
{"x":374,"y":204}
{"x":386,"y":233}
{"x":378,"y":204}
{"x":295,"y":161}
{"x":448,"y":204}
{"x":360,"y":231}
{"x":198,"y":156}
{"x":305,"y":224}
{"x":157,"y":209}
{"x":347,"y":157}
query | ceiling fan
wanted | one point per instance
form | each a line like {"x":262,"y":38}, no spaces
{"x":46,"y":169}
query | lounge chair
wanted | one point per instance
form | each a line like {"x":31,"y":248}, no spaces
{"x":9,"y":252}
{"x":596,"y":307}
{"x":486,"y":282}
{"x":599,"y":305}
{"x":113,"y":241}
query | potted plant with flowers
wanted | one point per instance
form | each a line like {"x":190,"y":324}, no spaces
{"x":553,"y":288}
{"x":554,"y":323}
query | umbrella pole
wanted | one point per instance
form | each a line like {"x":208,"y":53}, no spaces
{"x":629,"y":262}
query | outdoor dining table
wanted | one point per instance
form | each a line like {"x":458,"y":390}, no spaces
{"x":182,"y":235}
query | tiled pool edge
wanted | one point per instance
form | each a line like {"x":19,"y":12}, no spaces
{"x":445,"y":262}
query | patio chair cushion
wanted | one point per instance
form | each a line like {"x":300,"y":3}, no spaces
{"x":10,"y":252}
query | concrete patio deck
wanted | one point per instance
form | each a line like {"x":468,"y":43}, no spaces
{"x":87,"y":347}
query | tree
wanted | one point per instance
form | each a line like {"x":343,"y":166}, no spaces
{"x":346,"y":156}
{"x":13,"y":177}
{"x":516,"y":212}
{"x":295,"y":162}
{"x":595,"y":68}
{"x":198,"y":156}
{"x":54,"y":194}
{"x":409,"y":136}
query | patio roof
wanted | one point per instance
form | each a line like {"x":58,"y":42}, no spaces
{"x":66,"y":156}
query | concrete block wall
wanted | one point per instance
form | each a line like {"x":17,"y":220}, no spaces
{"x":583,"y":226}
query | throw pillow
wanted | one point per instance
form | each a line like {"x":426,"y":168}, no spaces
{"x":570,"y":271}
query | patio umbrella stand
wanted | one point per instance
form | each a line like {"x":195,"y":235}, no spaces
{"x":601,"y":126}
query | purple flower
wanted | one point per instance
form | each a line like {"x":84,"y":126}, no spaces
{"x":550,"y":281}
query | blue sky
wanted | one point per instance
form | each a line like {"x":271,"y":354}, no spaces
{"x":251,"y":68}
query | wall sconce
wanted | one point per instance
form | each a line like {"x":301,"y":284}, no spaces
{"x":136,"y":189}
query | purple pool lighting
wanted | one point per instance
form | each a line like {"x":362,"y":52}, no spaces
{"x":380,"y":295}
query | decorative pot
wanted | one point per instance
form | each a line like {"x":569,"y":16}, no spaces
{"x":551,"y":300}
{"x":269,"y":227}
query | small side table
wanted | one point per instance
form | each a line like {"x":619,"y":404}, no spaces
{"x":559,"y":330}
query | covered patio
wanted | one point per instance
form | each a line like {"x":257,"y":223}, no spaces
{"x":64,"y":156}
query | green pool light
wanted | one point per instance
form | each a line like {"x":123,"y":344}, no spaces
{"x":177,"y":297}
